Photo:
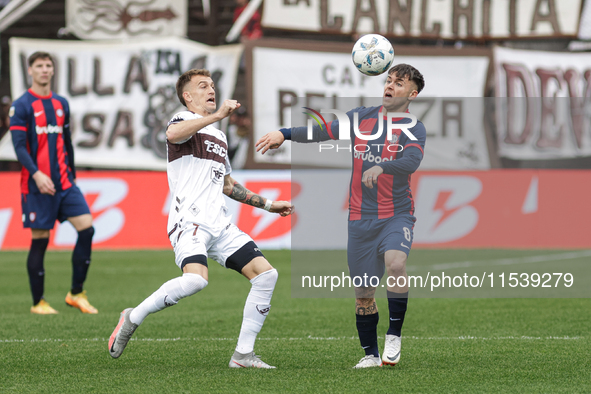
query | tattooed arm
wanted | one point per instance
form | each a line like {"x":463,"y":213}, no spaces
{"x":237,"y":192}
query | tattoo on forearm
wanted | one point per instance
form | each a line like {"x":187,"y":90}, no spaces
{"x":243,"y":195}
{"x":370,"y":310}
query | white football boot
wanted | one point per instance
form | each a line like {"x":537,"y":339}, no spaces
{"x":368,"y":362}
{"x":391,"y":355}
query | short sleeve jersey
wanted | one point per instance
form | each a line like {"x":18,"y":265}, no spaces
{"x":196,"y":169}
{"x":40,"y":125}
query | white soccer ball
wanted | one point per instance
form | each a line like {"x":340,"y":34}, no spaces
{"x":372,"y":54}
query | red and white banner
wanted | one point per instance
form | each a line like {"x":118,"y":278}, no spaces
{"x":480,"y":209}
{"x":130,"y":210}
{"x":476,"y":209}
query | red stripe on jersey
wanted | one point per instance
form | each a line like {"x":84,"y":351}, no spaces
{"x":21,"y":128}
{"x":42,"y":146}
{"x":412,"y":202}
{"x":25,"y":175}
{"x":416,"y":146}
{"x":386,"y":182}
{"x":329,"y":131}
{"x":356,"y":194}
{"x":61,"y":152}
{"x":367,"y":125}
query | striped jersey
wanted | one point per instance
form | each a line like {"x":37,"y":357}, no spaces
{"x":196,"y":169}
{"x":42,"y":141}
{"x":399,"y":157}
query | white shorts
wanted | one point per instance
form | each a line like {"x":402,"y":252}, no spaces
{"x":196,"y":240}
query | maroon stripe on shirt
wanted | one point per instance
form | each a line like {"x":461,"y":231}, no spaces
{"x":202,"y":146}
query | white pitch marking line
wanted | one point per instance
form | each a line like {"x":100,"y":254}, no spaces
{"x":461,"y":338}
{"x":507,"y":261}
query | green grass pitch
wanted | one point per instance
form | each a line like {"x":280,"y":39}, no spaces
{"x":449,"y":345}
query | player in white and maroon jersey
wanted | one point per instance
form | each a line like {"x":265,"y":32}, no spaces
{"x":199,"y":224}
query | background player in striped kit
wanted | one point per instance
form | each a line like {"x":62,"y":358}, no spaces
{"x":381,"y":218}
{"x":40,"y":130}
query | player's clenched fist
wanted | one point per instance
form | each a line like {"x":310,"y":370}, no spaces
{"x":228,"y":106}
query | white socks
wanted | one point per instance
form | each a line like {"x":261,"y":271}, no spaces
{"x":168,"y":295}
{"x":258,"y":304}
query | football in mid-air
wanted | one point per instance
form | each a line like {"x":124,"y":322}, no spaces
{"x":372,"y":54}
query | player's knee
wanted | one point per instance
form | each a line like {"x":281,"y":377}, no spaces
{"x":192,"y":283}
{"x":396,"y":264}
{"x":266,"y":280}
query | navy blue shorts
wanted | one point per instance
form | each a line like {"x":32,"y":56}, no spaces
{"x":40,"y":211}
{"x":369,"y":240}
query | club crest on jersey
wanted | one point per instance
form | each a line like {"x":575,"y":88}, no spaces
{"x":11,"y":112}
{"x":59,"y":112}
{"x":194,"y":210}
{"x":32,"y":216}
{"x":217,"y":175}
{"x":394,"y":139}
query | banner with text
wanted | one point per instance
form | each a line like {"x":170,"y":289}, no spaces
{"x":544,"y":105}
{"x":286,"y":80}
{"x":451,"y":19}
{"x":121,"y":95}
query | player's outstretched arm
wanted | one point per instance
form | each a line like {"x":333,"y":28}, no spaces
{"x":181,"y":130}
{"x":272,"y":140}
{"x":237,"y":192}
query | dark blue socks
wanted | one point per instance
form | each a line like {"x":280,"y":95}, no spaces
{"x":81,"y":259}
{"x":35,"y":268}
{"x":367,"y":326}
{"x":397,"y":303}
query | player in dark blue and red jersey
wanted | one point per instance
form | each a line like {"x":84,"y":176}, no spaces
{"x":381,"y":207}
{"x":40,"y":130}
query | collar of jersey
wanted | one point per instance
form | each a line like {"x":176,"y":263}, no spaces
{"x":393,"y":119}
{"x":40,"y":97}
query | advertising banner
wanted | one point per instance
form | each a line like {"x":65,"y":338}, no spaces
{"x":130,"y":210}
{"x":522,"y":209}
{"x":472,"y":209}
{"x":121,"y":94}
{"x":451,"y":19}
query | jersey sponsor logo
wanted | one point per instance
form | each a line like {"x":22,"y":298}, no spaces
{"x":371,"y":158}
{"x":216,"y":175}
{"x":215,"y":148}
{"x":51,"y":129}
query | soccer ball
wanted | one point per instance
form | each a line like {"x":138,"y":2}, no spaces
{"x":372,"y":54}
